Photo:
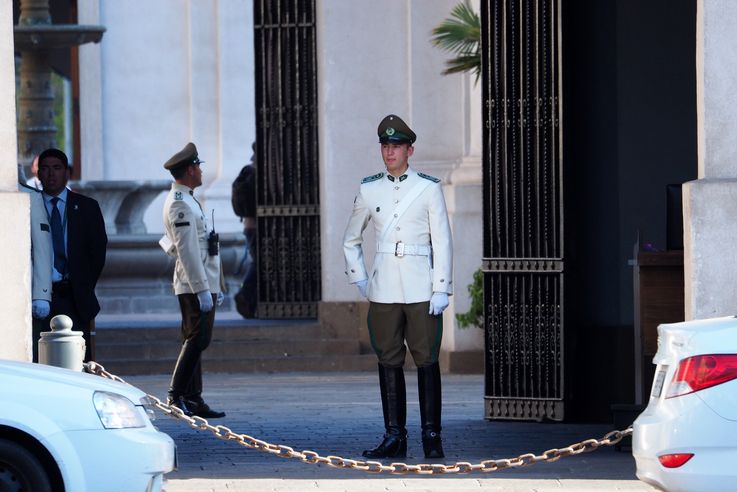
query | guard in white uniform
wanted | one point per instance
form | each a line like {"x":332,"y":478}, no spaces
{"x":196,"y":279}
{"x":408,"y":286}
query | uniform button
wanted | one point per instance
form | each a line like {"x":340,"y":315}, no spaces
{"x":399,"y":229}
{"x":396,"y":187}
{"x":346,"y":273}
{"x":353,"y":271}
{"x":395,"y":215}
{"x":396,"y":201}
{"x":442,"y":280}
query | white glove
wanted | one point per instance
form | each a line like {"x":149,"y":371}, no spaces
{"x":438,"y":303}
{"x":221,"y":298}
{"x":205,"y":299}
{"x":363,"y":287}
{"x":40,"y":308}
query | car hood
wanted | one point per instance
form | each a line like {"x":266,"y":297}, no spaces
{"x":17,"y":371}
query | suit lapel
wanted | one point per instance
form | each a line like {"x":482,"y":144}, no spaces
{"x":72,"y":219}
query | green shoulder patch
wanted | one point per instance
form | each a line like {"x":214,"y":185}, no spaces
{"x":431,"y":178}
{"x":368,"y":179}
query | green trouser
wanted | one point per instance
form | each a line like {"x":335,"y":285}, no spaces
{"x":391,"y":324}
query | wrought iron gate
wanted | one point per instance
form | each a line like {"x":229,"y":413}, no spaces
{"x":523,"y":205}
{"x":287,"y":159}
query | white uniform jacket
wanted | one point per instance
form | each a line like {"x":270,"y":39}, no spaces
{"x":186,"y":227}
{"x":422,"y":233}
{"x":42,"y":250}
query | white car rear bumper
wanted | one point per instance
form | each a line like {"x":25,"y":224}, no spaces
{"x":685,"y":425}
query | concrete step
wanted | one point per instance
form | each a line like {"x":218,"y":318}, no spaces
{"x":274,"y":364}
{"x":225,"y":349}
{"x":154,"y":331}
{"x":149,"y":344}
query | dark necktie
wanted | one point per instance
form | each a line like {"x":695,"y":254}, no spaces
{"x":57,"y":237}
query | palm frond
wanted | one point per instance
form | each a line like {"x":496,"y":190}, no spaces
{"x":460,"y":34}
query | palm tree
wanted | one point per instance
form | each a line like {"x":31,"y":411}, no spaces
{"x":460,"y":34}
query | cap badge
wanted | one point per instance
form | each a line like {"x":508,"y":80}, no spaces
{"x":389,"y":131}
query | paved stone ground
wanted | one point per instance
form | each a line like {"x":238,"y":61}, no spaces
{"x":340,"y":414}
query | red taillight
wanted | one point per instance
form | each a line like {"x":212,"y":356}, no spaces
{"x":674,"y":460}
{"x":702,"y":371}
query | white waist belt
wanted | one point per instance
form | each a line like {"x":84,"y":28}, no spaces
{"x":400,"y":249}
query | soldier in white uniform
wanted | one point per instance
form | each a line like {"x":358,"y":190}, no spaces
{"x":409,"y":284}
{"x":196,"y":279}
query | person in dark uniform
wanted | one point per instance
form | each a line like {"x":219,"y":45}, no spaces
{"x":408,"y":287}
{"x":196,"y":279}
{"x":244,"y":205}
{"x":79,"y":246}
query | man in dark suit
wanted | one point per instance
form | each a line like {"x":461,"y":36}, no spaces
{"x":79,"y":243}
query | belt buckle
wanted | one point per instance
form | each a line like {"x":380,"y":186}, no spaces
{"x":399,"y":249}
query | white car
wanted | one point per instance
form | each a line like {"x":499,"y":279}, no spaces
{"x":686,"y":439}
{"x":66,"y":430}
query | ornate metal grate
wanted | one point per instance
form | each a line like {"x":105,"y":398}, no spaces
{"x":287,"y":159}
{"x":523,"y":223}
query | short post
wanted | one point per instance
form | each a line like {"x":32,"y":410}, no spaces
{"x":62,"y":347}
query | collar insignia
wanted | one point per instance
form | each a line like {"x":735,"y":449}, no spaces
{"x":400,"y":178}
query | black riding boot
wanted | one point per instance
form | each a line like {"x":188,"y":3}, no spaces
{"x":394,"y":405}
{"x":428,"y":383}
{"x":189,"y":358}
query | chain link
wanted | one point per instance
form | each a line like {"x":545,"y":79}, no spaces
{"x":311,"y":457}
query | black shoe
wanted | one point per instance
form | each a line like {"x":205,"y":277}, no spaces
{"x":392,"y":446}
{"x":432,"y":444}
{"x":202,"y":409}
{"x":243,"y":305}
{"x":181,"y":404}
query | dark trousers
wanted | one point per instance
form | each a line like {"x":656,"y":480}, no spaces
{"x":62,"y":302}
{"x":390,"y":325}
{"x":197,"y":326}
{"x":245,"y":298}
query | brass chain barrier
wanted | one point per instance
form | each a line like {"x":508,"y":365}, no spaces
{"x":306,"y":456}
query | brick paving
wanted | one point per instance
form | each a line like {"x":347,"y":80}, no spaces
{"x":340,"y":414}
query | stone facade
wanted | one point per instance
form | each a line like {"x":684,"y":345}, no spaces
{"x":169,"y":72}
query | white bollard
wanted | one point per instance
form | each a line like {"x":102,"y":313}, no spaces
{"x":61,"y":347}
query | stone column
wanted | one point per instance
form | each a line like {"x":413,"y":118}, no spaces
{"x":710,"y":202}
{"x":91,"y":127}
{"x":15,"y":289}
{"x":234,"y":122}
